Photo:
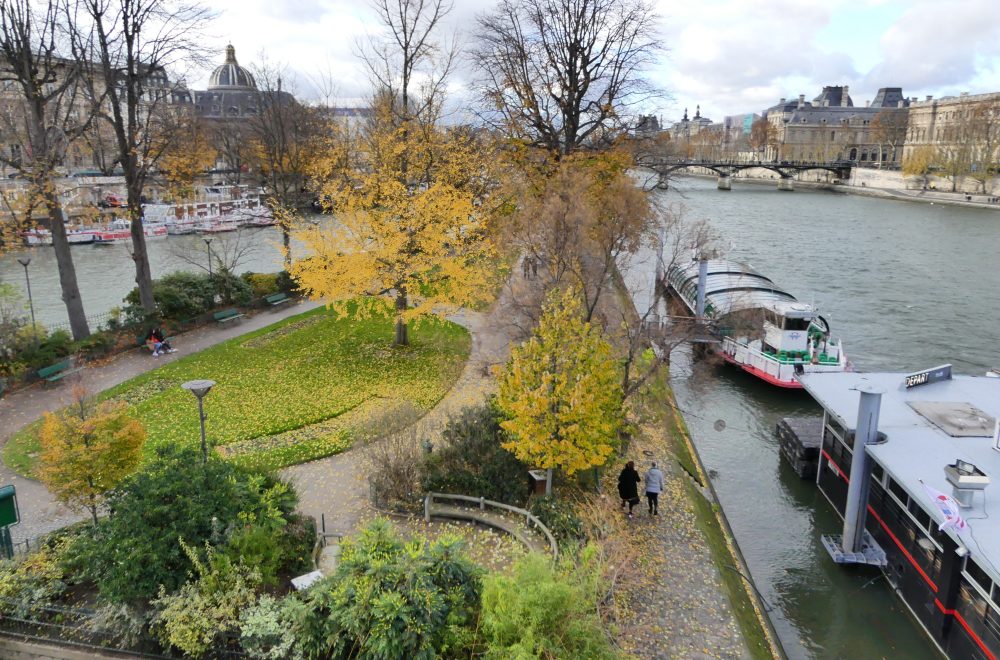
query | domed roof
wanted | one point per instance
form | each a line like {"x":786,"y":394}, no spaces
{"x":231,"y":75}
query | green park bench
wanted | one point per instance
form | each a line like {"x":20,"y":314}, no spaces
{"x":276,"y":299}
{"x":225,"y":316}
{"x":56,"y":372}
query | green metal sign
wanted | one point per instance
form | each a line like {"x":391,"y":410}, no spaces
{"x":9,"y":514}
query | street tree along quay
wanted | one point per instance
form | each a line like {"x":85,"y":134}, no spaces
{"x":563,"y":74}
{"x":135,"y":43}
{"x":45,"y":68}
{"x":561,"y":392}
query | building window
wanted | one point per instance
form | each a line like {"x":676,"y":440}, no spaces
{"x":898,"y":491}
{"x":833,"y":135}
{"x":854,"y":154}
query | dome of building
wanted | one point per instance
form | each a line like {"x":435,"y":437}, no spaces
{"x":230,"y":75}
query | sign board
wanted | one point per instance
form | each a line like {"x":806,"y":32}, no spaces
{"x":9,"y":514}
{"x":926,"y":376}
{"x":303,"y":582}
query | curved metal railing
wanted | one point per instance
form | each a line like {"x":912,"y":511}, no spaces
{"x":529,"y":518}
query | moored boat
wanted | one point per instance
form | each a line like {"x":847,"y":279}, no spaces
{"x":762,"y":329}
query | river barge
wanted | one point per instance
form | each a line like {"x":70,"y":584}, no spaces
{"x":931,"y":443}
{"x":763,"y":330}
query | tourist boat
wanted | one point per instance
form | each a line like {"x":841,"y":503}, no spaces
{"x":76,"y":236}
{"x":761,"y":329}
{"x":120,"y":231}
{"x":937,"y":436}
{"x":217,"y":209}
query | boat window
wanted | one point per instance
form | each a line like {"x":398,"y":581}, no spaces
{"x":923,"y":518}
{"x":796,"y":324}
{"x":978,"y":575}
{"x":877,"y":473}
{"x":898,"y":491}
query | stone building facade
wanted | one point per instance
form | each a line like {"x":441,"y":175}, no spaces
{"x":831,"y":127}
{"x":969,"y":121}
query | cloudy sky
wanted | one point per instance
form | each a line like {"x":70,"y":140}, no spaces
{"x":729,"y":56}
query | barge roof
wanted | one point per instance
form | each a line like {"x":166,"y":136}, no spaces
{"x":917,"y":450}
{"x":731,"y":286}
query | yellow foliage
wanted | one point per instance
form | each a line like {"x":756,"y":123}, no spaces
{"x":414,"y":209}
{"x":85,"y":454}
{"x":188,"y":154}
{"x":561,"y":392}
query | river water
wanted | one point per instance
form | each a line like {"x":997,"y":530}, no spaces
{"x":106,"y":273}
{"x":906,"y":286}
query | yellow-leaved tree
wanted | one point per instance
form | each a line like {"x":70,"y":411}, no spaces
{"x":414,"y":205}
{"x":87,"y":451}
{"x":561,"y":392}
{"x":187,"y":154}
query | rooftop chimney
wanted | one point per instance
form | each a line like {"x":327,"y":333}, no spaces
{"x":844,"y":95}
{"x":782,"y":101}
{"x":802,"y":100}
{"x":866,"y":103}
{"x":901,"y":103}
{"x":929,"y":97}
{"x":965,"y":479}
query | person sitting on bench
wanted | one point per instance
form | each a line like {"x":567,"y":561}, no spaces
{"x":158,"y":343}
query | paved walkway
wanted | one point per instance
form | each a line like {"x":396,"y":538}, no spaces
{"x":40,"y":513}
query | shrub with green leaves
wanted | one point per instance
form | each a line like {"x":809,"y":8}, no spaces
{"x":174,"y":497}
{"x":559,"y":516}
{"x":472,"y":462}
{"x":543,"y":611}
{"x":390,"y":599}
{"x":207,"y":607}
{"x":34,"y":580}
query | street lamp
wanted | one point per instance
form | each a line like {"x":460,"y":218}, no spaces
{"x":200,"y":388}
{"x":208,"y":248}
{"x":24,"y":261}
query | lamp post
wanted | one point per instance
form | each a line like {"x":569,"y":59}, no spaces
{"x":208,"y":248}
{"x":200,"y":388}
{"x":24,"y":261}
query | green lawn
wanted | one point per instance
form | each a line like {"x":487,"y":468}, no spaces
{"x":294,"y":391}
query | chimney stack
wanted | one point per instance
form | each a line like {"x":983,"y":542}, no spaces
{"x":866,"y":103}
{"x":782,"y":101}
{"x":802,"y":100}
{"x":844,"y":95}
{"x":929,"y":97}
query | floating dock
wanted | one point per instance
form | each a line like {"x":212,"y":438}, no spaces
{"x":799,"y":440}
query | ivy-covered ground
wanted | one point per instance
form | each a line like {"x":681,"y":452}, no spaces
{"x":303,"y":388}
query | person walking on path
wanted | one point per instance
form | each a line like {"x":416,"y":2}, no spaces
{"x":654,"y":486}
{"x":628,"y":486}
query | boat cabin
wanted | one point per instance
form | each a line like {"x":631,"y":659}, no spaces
{"x":938,"y":430}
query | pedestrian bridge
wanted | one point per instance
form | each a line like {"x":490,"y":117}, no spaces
{"x":786,"y":170}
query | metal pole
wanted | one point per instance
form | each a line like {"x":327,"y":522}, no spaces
{"x":208,"y":248}
{"x":702,"y":285}
{"x":857,"y":493}
{"x":27,"y":280}
{"x":204,"y":445}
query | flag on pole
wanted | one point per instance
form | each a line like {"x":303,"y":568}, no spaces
{"x":948,"y":507}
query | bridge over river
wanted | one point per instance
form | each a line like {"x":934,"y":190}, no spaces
{"x":786,"y":170}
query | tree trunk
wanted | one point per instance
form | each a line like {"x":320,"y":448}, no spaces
{"x":143,"y":272}
{"x":402,"y":332}
{"x":64,"y":260}
{"x":548,"y":482}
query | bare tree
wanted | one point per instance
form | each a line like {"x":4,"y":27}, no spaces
{"x":136,"y":43}
{"x":408,"y":64}
{"x":45,"y":65}
{"x":285,"y":135}
{"x":225,"y":252}
{"x":986,"y":147}
{"x":562,"y":73}
{"x":888,"y":131}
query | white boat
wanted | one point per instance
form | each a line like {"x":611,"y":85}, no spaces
{"x":218,"y":209}
{"x":120,"y":231}
{"x":77,"y":236}
{"x":763,"y":330}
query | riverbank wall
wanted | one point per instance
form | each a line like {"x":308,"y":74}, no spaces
{"x":887,"y":184}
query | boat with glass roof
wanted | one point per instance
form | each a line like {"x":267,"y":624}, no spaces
{"x":763,"y":329}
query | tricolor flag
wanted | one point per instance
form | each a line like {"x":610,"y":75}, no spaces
{"x":948,"y":507}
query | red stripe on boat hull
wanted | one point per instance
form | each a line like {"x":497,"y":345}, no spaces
{"x":763,"y":375}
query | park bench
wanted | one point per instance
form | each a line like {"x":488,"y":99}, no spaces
{"x":224,"y":316}
{"x":276,"y":299}
{"x":56,"y":372}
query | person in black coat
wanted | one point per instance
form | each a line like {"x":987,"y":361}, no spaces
{"x":628,"y":486}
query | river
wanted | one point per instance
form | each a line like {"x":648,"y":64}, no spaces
{"x":906,"y":286}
